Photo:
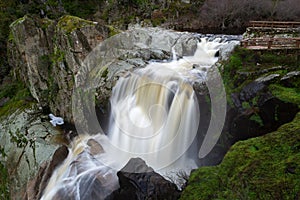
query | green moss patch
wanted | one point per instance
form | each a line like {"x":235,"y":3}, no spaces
{"x":4,"y":180}
{"x":70,"y":23}
{"x":245,"y":65}
{"x":285,"y":94}
{"x":267,"y":167}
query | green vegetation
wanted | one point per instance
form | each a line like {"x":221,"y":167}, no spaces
{"x":113,"y":31}
{"x":291,"y":95}
{"x":245,"y":66}
{"x":16,"y":93}
{"x":57,"y":56}
{"x":267,"y":167}
{"x":83,"y":9}
{"x":257,"y":119}
{"x":4,"y":180}
{"x":70,"y":23}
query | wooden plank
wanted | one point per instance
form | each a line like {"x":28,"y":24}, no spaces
{"x":274,"y":24}
{"x":271,"y":43}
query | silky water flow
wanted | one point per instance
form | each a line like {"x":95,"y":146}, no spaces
{"x":154,"y":116}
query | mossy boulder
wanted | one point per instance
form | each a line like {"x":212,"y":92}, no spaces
{"x":265,"y":167}
{"x":47,"y":54}
{"x":70,"y":23}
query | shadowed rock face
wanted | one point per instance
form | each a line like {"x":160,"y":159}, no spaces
{"x":36,"y":186}
{"x":46,"y":55}
{"x":272,"y":111}
{"x":138,"y":181}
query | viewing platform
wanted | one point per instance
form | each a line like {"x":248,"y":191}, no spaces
{"x":271,"y":43}
{"x":273,"y":24}
{"x":272,"y":35}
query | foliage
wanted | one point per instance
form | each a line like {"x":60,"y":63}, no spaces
{"x":17,"y":94}
{"x":291,"y":95}
{"x":70,"y":23}
{"x":257,"y":119}
{"x":83,"y":9}
{"x":254,"y":65}
{"x":266,"y":167}
{"x":4,"y":187}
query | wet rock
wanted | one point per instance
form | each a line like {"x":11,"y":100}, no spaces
{"x":36,"y":186}
{"x":26,"y":141}
{"x":95,"y":147}
{"x":291,"y":79}
{"x":139,"y":181}
{"x":267,"y":79}
{"x":253,"y":88}
{"x":258,"y":111}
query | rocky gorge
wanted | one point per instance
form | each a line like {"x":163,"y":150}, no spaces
{"x":47,"y":59}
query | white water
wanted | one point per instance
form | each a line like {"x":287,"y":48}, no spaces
{"x":154,"y":116}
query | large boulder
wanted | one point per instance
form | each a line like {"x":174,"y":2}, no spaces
{"x":25,"y":136}
{"x":46,"y":55}
{"x":139,"y":181}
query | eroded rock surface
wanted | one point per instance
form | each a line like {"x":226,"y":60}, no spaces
{"x":138,"y":181}
{"x":25,"y":136}
{"x":46,"y":55}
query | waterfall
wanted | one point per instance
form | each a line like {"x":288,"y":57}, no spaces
{"x":154,"y":116}
{"x":153,"y":109}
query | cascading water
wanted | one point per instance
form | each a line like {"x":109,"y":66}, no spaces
{"x":154,"y":116}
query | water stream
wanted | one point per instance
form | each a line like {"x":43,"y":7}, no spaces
{"x":154,"y":116}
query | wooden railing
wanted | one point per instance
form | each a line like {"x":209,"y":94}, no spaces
{"x":273,"y":24}
{"x":271,"y":43}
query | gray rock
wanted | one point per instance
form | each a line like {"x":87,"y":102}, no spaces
{"x":267,"y":79}
{"x":290,"y":75}
{"x":26,"y":141}
{"x":290,"y":79}
{"x":95,"y":147}
{"x":46,"y":55}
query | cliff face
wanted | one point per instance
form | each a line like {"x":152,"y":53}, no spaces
{"x":46,"y":55}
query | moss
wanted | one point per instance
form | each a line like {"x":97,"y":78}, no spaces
{"x":70,"y":23}
{"x":18,"y":21}
{"x":113,"y":31}
{"x":253,"y":65}
{"x":11,"y":37}
{"x":104,"y":72}
{"x":291,"y":95}
{"x":45,"y":23}
{"x":257,"y":119}
{"x":267,"y":167}
{"x":57,"y":56}
{"x":4,"y":183}
{"x":246,"y":105}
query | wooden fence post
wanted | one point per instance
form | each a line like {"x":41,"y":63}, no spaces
{"x":269,"y":44}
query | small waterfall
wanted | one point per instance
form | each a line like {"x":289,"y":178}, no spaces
{"x":154,"y":116}
{"x":153,"y":109}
